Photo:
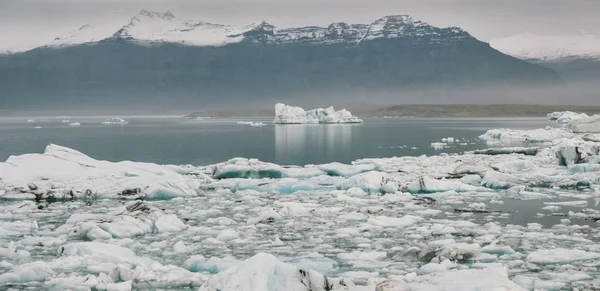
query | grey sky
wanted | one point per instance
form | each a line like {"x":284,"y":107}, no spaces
{"x":39,"y":21}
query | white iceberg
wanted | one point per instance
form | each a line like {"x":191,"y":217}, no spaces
{"x":114,"y":121}
{"x":75,"y":124}
{"x":285,"y":114}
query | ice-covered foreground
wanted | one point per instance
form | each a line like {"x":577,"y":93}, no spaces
{"x":70,"y":222}
{"x":285,"y":114}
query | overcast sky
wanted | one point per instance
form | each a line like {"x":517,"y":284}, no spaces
{"x":39,"y":21}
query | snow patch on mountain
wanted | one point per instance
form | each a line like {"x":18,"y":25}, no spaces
{"x":550,"y":48}
{"x":149,"y":26}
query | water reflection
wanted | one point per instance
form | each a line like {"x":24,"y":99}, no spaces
{"x":312,"y":143}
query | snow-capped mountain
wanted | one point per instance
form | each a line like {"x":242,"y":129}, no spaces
{"x":552,"y":48}
{"x":148,"y":26}
{"x":155,"y":59}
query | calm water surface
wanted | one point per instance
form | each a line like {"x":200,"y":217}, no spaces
{"x":173,"y":140}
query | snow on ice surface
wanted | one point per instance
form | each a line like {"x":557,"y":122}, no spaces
{"x":356,"y":223}
{"x":285,"y":114}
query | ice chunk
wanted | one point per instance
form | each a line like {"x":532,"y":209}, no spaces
{"x":315,"y":261}
{"x":247,"y":168}
{"x":102,"y":252}
{"x":577,"y":203}
{"x":566,"y":116}
{"x":362,"y":256}
{"x":139,"y":218}
{"x":585,"y":125}
{"x":285,"y":114}
{"x":114,"y":121}
{"x":521,"y":136}
{"x":251,"y":123}
{"x":430,"y":185}
{"x":439,"y":145}
{"x":404,"y":221}
{"x":561,"y":256}
{"x":75,"y":124}
{"x":491,"y":278}
{"x":227,"y":234}
{"x":339,"y":169}
{"x":507,"y":151}
{"x":63,"y":173}
{"x":264,"y":272}
{"x":213,"y":265}
{"x":370,"y":182}
{"x":392,"y":285}
{"x":31,"y":272}
{"x":444,"y":266}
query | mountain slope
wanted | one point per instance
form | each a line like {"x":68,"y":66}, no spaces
{"x":157,"y":60}
{"x":552,"y":48}
{"x":576,"y":57}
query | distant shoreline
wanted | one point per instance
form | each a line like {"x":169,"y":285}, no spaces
{"x":358,"y":109}
{"x":426,"y":110}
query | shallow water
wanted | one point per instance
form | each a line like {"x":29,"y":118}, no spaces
{"x":173,"y":140}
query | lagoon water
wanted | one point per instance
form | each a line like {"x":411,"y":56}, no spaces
{"x":175,"y":140}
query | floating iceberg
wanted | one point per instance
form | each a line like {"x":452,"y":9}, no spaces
{"x":75,"y":124}
{"x":285,"y":114}
{"x":114,"y":121}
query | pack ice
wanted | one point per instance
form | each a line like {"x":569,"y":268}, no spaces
{"x":285,"y":114}
{"x":71,"y":222}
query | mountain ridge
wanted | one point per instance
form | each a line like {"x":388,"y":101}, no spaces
{"x":156,"y":27}
{"x":167,"y":62}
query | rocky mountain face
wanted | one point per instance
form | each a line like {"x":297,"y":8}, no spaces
{"x":157,"y":60}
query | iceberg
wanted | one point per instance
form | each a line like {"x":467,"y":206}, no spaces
{"x":285,"y":114}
